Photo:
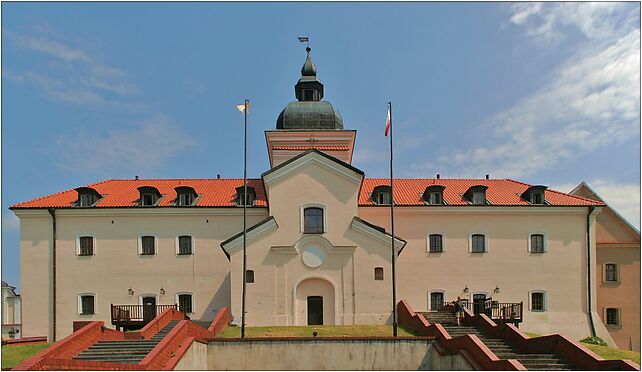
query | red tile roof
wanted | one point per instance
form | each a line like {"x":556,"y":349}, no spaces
{"x":222,"y":192}
{"x":124,"y":193}
{"x":303,"y":148}
{"x":500,"y":192}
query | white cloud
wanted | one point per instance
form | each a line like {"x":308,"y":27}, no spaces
{"x":623,"y":197}
{"x":146,"y":147}
{"x":71,"y":74}
{"x":10,"y":222}
{"x":589,"y":102}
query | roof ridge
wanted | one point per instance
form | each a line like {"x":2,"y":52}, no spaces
{"x":178,"y":179}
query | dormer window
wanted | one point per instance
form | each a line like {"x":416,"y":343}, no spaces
{"x":87,"y":197}
{"x":476,"y":195}
{"x":535,"y":195}
{"x":185,"y":196}
{"x":249,"y":198}
{"x":434,"y":195}
{"x":381,"y":195}
{"x":149,"y":196}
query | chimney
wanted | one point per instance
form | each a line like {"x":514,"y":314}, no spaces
{"x":218,"y":176}
{"x":487,"y":176}
{"x":437,"y":175}
{"x":136,"y":177}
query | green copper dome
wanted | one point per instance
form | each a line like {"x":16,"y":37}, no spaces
{"x":310,"y":112}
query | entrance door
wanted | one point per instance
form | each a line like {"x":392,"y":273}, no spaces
{"x":479,"y":300}
{"x":149,"y":308}
{"x":315,"y":310}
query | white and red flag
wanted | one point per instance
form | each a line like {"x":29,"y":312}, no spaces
{"x":388,"y":122}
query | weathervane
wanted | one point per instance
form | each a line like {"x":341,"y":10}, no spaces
{"x":305,"y":39}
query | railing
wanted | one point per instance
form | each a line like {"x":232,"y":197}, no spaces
{"x":512,"y":312}
{"x":137,"y":313}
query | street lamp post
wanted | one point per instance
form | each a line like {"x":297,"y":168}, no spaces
{"x":244,"y":108}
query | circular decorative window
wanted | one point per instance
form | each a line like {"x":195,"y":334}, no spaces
{"x":313,"y":257}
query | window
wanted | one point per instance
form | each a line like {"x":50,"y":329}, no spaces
{"x":535,"y":195}
{"x":308,"y":95}
{"x":434,"y":195}
{"x":86,"y":200}
{"x":149,"y":196}
{"x":436,"y":300}
{"x":435,"y":243}
{"x":479,"y":197}
{"x":86,"y":245}
{"x":378,"y":272}
{"x":87,"y":304}
{"x":537,"y":198}
{"x":185,"y":303}
{"x":537,"y":301}
{"x":381,"y":195}
{"x":87,"y":197}
{"x":147,"y":199}
{"x":184,"y":244}
{"x":476,"y":195}
{"x":249,"y":198}
{"x":610,"y":272}
{"x":185,"y":196}
{"x":185,"y":199}
{"x":313,"y":220}
{"x":148,"y":245}
{"x":537,"y":243}
{"x":435,"y":198}
{"x":249,"y":276}
{"x":478,"y":243}
{"x":612,"y":316}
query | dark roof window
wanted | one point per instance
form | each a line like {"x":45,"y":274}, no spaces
{"x":249,"y":198}
{"x":476,"y":195}
{"x":87,"y":197}
{"x":185,"y":196}
{"x":149,"y":196}
{"x":381,"y":195}
{"x":535,"y":195}
{"x":434,"y":195}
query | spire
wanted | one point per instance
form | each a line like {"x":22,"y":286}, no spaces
{"x":308,"y":69}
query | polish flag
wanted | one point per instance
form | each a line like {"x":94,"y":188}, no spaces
{"x":388,"y":122}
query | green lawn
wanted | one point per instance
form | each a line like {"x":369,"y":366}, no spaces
{"x":306,"y":331}
{"x":12,"y":355}
{"x":605,"y":351}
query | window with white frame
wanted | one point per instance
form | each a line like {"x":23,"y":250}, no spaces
{"x":147,"y":245}
{"x":537,"y":301}
{"x":537,"y":243}
{"x":437,"y":300}
{"x":612,"y":316}
{"x":185,"y":243}
{"x":435,"y":243}
{"x":478,"y":243}
{"x":610,"y":272}
{"x":313,"y":220}
{"x":185,"y":303}
{"x":87,"y":304}
{"x":85,"y":245}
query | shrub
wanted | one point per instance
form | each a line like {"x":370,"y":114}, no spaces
{"x":594,"y":340}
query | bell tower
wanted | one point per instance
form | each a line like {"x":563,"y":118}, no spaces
{"x":309,"y":122}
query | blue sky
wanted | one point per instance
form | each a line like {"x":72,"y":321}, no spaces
{"x":543,"y":93}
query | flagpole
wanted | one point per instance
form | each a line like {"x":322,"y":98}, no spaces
{"x":392,"y":229}
{"x":244,"y":218}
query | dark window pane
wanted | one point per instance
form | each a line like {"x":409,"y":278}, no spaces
{"x":86,"y":245}
{"x":537,"y":301}
{"x":435,"y":198}
{"x":612,"y":317}
{"x":378,"y":273}
{"x":87,"y":305}
{"x":478,"y":243}
{"x":537,"y":198}
{"x":148,"y":243}
{"x":185,"y":199}
{"x":249,"y":276}
{"x":383,"y":198}
{"x":611,"y":272}
{"x":185,"y":303}
{"x":479,"y":197}
{"x":147,"y":199}
{"x":313,"y":221}
{"x":185,"y":244}
{"x":537,"y":243}
{"x":436,"y":243}
{"x":86,"y":200}
{"x":436,"y":300}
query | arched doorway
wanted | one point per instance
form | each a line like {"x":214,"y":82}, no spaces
{"x":314,"y":302}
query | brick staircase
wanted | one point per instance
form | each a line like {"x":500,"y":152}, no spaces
{"x":126,"y":351}
{"x":500,"y":347}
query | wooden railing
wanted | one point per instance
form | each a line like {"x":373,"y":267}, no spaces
{"x":511,"y":312}
{"x":137,"y":313}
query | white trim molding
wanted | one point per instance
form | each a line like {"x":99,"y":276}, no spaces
{"x":443,"y":241}
{"x":93,"y":252}
{"x":142,"y":295}
{"x":470,"y":241}
{"x":536,"y":232}
{"x":192,"y":297}
{"x":436,"y":290}
{"x":312,"y":158}
{"x":177,"y":244}
{"x":253,"y":235}
{"x":370,"y":231}
{"x":80,"y":296}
